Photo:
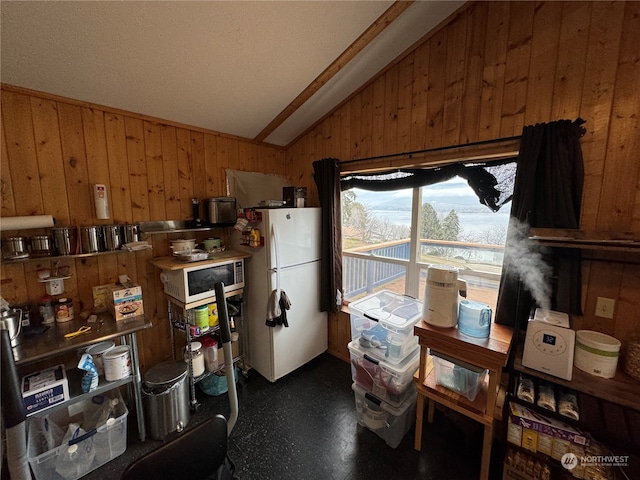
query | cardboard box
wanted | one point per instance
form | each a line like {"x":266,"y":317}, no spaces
{"x":123,"y":302}
{"x":101,"y":295}
{"x":541,"y":425}
{"x":45,"y":388}
{"x":126,"y":301}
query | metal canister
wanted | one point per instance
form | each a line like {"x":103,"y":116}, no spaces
{"x":41,"y":246}
{"x":111,"y":236}
{"x":15,"y":247}
{"x":65,"y":240}
{"x":91,"y":239}
{"x":130,"y":233}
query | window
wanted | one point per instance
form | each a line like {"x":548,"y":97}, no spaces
{"x":391,"y":237}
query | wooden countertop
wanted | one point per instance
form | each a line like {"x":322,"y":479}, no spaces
{"x":172,"y":263}
{"x":491,"y":352}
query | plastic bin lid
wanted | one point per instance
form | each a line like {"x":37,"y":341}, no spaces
{"x":381,"y":404}
{"x":166,"y":373}
{"x":410,"y":362}
{"x":460,"y":363}
{"x":390,"y":309}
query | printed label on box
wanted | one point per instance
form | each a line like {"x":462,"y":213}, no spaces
{"x":126,"y":301}
{"x":45,"y":388}
{"x":539,"y":423}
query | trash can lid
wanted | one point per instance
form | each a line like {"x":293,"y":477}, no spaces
{"x":166,"y":373}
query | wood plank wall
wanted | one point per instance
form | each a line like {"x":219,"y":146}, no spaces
{"x":493,"y":68}
{"x":54,"y":149}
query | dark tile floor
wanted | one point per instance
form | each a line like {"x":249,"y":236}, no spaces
{"x":304,"y":426}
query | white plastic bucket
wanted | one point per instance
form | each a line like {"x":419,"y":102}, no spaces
{"x":596,"y":353}
{"x":117,"y":363}
{"x":97,"y":351}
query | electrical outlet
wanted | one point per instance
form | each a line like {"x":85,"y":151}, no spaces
{"x":604,"y":307}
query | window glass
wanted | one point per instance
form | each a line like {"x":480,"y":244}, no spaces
{"x":453,"y":228}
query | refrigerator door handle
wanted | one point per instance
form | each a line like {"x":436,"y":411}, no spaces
{"x":276,"y":248}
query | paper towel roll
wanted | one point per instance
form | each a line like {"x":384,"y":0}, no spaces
{"x":23,"y":223}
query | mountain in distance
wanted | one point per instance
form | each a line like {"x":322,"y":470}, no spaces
{"x":444,"y":197}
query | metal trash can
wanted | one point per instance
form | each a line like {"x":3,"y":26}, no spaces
{"x":166,"y":395}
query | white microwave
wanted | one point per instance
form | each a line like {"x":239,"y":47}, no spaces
{"x":191,"y":284}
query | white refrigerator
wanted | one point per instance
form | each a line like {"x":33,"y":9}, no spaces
{"x":288,"y":262}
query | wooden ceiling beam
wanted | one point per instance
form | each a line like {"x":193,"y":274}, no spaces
{"x":377,"y":27}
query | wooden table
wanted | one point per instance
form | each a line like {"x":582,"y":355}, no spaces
{"x":490,"y":353}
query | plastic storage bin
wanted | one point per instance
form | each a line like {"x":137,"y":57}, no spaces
{"x":388,"y":422}
{"x":391,"y":383}
{"x":101,"y":445}
{"x":461,"y":377}
{"x":383,"y":324}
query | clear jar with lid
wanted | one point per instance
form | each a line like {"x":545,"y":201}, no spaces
{"x":197,"y":358}
{"x":46,"y":309}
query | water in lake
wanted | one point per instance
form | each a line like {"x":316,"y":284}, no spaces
{"x":470,"y":222}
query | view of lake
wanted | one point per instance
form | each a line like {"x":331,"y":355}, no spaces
{"x":454,"y":194}
{"x":471,"y":222}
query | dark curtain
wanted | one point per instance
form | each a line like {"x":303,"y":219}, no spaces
{"x":547,"y":194}
{"x":492,"y":182}
{"x":326,"y":174}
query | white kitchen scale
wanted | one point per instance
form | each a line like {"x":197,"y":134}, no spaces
{"x":549,"y":344}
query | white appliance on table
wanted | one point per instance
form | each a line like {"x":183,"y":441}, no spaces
{"x":549,"y":344}
{"x":289,"y":261}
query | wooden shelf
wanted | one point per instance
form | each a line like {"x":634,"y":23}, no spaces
{"x":621,"y":390}
{"x":475,"y":409}
{"x":172,"y":263}
{"x":62,"y":257}
{"x":587,"y":240}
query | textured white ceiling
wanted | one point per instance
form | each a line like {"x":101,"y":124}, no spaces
{"x":228,"y":66}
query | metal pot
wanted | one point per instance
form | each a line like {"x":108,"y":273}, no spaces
{"x":183,"y":245}
{"x":65,"y":240}
{"x":91,"y":239}
{"x":11,"y":320}
{"x":220,"y":211}
{"x":130,"y":233}
{"x":112,"y":237}
{"x":15,"y":247}
{"x":41,"y":246}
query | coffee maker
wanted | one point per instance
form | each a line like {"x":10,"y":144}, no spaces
{"x":440,"y":305}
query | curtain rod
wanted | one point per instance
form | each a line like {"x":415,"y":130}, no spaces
{"x":429,"y":150}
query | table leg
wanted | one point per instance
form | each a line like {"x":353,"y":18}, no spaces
{"x":432,"y":408}
{"x":487,"y":440}
{"x":419,"y":418}
{"x":137,"y":383}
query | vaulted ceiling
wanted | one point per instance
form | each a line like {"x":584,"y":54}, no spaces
{"x":264,"y":70}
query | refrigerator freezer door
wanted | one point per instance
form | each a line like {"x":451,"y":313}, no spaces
{"x":277,"y":351}
{"x":298,"y":234}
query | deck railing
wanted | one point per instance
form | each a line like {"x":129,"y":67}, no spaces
{"x":366,"y":269}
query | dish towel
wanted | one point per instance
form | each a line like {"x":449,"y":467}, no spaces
{"x":276,"y":309}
